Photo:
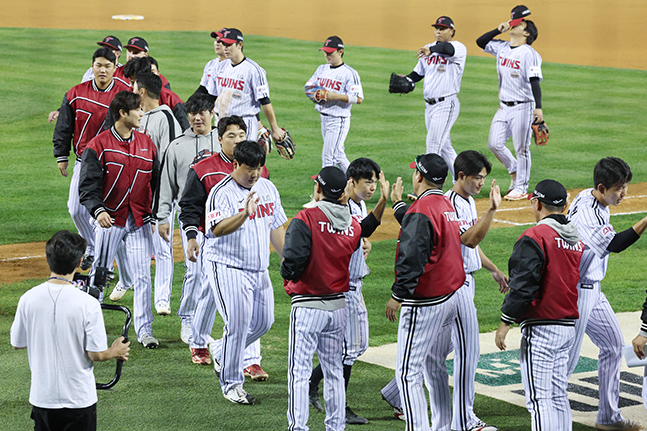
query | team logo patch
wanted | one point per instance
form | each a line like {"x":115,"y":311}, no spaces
{"x":441,"y":69}
{"x":237,"y":94}
{"x":514,"y":74}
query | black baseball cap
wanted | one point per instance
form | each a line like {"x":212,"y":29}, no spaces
{"x":110,"y":42}
{"x":138,"y":44}
{"x":231,"y":36}
{"x":549,"y":192}
{"x":332,"y":180}
{"x":518,"y":14}
{"x":332,"y":44}
{"x":217,"y":34}
{"x":432,"y":167}
{"x":444,"y":21}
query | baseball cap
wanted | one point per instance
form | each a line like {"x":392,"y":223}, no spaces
{"x":217,"y":34}
{"x":231,"y":36}
{"x":431,"y":166}
{"x":137,"y":43}
{"x":332,"y":44}
{"x":518,"y":14}
{"x":549,"y":192}
{"x":110,"y":42}
{"x":444,"y":21}
{"x":332,"y":181}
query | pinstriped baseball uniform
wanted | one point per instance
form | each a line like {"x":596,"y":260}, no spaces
{"x":597,"y":318}
{"x":443,"y":75}
{"x":209,"y":74}
{"x":236,"y":267}
{"x":335,"y":114}
{"x":515,"y":67}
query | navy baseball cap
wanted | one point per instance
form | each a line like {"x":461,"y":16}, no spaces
{"x":332,"y":44}
{"x":432,"y":167}
{"x":549,"y":192}
{"x":217,"y":34}
{"x":110,"y":42}
{"x":231,"y":36}
{"x":444,"y":21}
{"x":138,"y":44}
{"x":518,"y":14}
{"x":332,"y":180}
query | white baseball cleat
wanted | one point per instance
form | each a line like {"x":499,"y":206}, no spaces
{"x":163,"y":308}
{"x":516,"y":195}
{"x":238,"y":395}
{"x":482,"y":426}
{"x":624,"y":424}
{"x":186,"y":332}
{"x":118,"y":292}
{"x":149,"y":341}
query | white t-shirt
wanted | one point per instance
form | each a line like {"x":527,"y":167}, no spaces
{"x":59,"y":324}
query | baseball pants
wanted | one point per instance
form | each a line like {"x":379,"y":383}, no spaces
{"x":334,"y":131}
{"x":163,"y":252}
{"x":80,"y":215}
{"x":600,"y":323}
{"x":515,"y":121}
{"x":439,"y":119}
{"x":544,"y":358}
{"x":251,"y":121}
{"x":138,"y":247}
{"x":245,"y":301}
{"x":121,"y":258}
{"x":356,"y":335}
{"x":418,"y":333}
{"x":311,"y":330}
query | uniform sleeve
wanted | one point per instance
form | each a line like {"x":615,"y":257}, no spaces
{"x":369,"y":224}
{"x":525,"y":268}
{"x":169,"y":188}
{"x":354,"y":86}
{"x":18,"y":329}
{"x":90,"y":182}
{"x":460,"y":53}
{"x":594,"y":231}
{"x":206,"y":74}
{"x":534,"y":65}
{"x":259,"y":85}
{"x":88,"y":75}
{"x":95,"y":330}
{"x":296,"y":250}
{"x":399,"y":210}
{"x":217,"y":209}
{"x":63,"y":131}
{"x":313,"y":79}
{"x":279,"y":214}
{"x":420,"y":68}
{"x":414,"y":249}
{"x":493,"y":46}
{"x":192,"y":204}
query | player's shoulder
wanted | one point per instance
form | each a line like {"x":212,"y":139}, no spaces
{"x":251,"y":64}
{"x":457,"y":44}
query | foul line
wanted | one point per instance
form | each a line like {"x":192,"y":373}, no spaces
{"x":22,"y":258}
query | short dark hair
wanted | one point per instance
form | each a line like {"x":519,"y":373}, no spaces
{"x":531,"y":28}
{"x":199,"y":102}
{"x":362,"y":169}
{"x":137,"y":65}
{"x":552,"y":208}
{"x":64,"y":250}
{"x":105,"y":53}
{"x":249,"y":153}
{"x":124,"y":100}
{"x":225,"y":122}
{"x":471,"y":162}
{"x":151,"y":82}
{"x":611,"y":171}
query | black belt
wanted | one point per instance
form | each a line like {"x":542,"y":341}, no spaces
{"x":434,"y":101}
{"x":512,"y":103}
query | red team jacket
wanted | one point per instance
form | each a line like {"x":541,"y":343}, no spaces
{"x":119,"y":176}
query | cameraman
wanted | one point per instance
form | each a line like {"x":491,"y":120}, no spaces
{"x":63,"y":331}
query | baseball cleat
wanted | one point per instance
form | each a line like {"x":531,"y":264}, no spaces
{"x":87,"y":262}
{"x":118,"y":292}
{"x":149,"y":341}
{"x":354,"y":419}
{"x":238,"y":395}
{"x":482,"y":426}
{"x":624,"y":424}
{"x":163,"y":308}
{"x":200,"y":356}
{"x":186,"y":332}
{"x":216,"y":365}
{"x":313,"y":397}
{"x":398,"y":413}
{"x":516,"y":195}
{"x":255,"y":372}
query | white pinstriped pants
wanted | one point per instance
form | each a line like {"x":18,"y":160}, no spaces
{"x":80,"y":215}
{"x":356,"y":334}
{"x":600,"y":323}
{"x":251,"y":121}
{"x":163,"y":252}
{"x":513,"y":121}
{"x":322,"y":331}
{"x":439,"y":120}
{"x":334,"y":131}
{"x":544,"y":358}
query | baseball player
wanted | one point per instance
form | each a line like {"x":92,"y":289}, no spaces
{"x":243,"y":214}
{"x":363,"y":174}
{"x":543,"y":299}
{"x":203,"y":174}
{"x":589,"y":212}
{"x":241,"y":88}
{"x":82,"y":116}
{"x":429,"y":271}
{"x":119,"y":176}
{"x":441,"y":64}
{"x":211,"y":68}
{"x":319,"y":244}
{"x":343,"y":89}
{"x":519,"y":70}
{"x":137,"y":47}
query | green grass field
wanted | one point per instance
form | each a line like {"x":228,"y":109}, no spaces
{"x":592,"y":113}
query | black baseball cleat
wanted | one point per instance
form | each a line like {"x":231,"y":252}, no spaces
{"x":313,"y":397}
{"x":87,"y":262}
{"x":353,"y":419}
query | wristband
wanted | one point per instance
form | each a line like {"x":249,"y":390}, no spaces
{"x":352,"y":99}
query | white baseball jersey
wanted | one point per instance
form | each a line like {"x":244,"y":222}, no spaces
{"x":442,"y":73}
{"x":341,"y":79}
{"x":467,"y":217}
{"x":357,"y":267}
{"x":240,"y":88}
{"x":248,"y":247}
{"x":210,"y":72}
{"x":592,"y":221}
{"x":515,"y":67}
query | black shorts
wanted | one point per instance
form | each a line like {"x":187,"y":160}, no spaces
{"x":65,"y":419}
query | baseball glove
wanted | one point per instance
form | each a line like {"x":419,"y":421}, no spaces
{"x":540,"y":133}
{"x":285,"y":147}
{"x":401,"y":84}
{"x":264,"y":139}
{"x":316,"y":93}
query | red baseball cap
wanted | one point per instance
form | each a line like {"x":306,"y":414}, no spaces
{"x":217,"y":34}
{"x":332,"y":44}
{"x":518,"y":14}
